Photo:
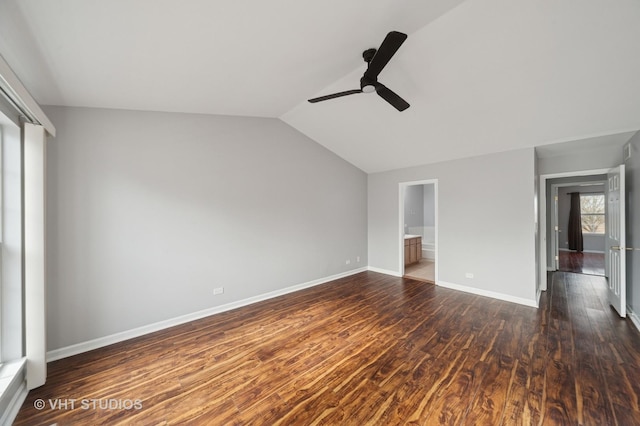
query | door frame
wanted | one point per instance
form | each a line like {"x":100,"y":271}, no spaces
{"x":542,"y":213}
{"x":401,"y":190}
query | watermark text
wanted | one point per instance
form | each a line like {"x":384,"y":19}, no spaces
{"x":87,"y":404}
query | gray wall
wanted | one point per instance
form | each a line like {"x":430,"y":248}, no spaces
{"x":579,"y":160}
{"x":633,"y":225}
{"x":149,"y":212}
{"x":414,"y":210}
{"x":592,"y":242}
{"x":486,"y":220}
{"x":429,"y":204}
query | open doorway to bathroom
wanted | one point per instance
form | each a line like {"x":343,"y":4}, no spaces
{"x":419,"y":230}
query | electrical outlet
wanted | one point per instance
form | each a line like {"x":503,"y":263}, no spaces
{"x":358,"y":259}
{"x":218,"y":290}
{"x":348,"y":261}
{"x":469,"y":275}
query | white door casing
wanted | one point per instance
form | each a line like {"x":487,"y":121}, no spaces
{"x":556,"y":231}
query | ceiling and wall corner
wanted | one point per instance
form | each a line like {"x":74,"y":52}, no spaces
{"x":482,"y":76}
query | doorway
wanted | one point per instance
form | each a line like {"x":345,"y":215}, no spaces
{"x":418,"y":230}
{"x":548,"y":235}
{"x":615,"y":269}
{"x":589,"y":257}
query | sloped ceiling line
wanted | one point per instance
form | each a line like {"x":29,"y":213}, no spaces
{"x":481,"y":76}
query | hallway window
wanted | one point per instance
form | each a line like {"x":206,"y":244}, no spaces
{"x":592,"y":212}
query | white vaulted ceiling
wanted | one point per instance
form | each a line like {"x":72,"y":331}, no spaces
{"x":481,"y":75}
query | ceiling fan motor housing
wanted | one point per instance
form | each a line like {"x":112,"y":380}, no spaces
{"x":368,"y":85}
{"x":369,"y":54}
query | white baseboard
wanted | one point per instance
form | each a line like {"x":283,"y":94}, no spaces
{"x":79,"y":348}
{"x":473,"y":290}
{"x":633,"y":317}
{"x":488,"y":293}
{"x":384,"y":271}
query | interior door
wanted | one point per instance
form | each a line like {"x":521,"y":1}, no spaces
{"x":616,"y":240}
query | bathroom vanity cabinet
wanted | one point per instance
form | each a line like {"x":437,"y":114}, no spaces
{"x":412,"y":249}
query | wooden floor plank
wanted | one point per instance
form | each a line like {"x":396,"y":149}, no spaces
{"x":368,"y":349}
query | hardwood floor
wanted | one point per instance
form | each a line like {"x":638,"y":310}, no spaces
{"x":581,"y":263}
{"x":366,"y":350}
{"x":423,"y":270}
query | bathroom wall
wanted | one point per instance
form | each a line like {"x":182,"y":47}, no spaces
{"x":414,"y":210}
{"x":429,"y":234}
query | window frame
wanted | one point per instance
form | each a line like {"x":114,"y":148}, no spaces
{"x":603,"y":214}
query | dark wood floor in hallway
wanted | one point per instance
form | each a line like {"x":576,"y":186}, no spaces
{"x":367,"y":349}
{"x":582,"y":263}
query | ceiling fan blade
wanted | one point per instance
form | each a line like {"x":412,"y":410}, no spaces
{"x":390,"y":96}
{"x":388,"y":48}
{"x":334,"y":95}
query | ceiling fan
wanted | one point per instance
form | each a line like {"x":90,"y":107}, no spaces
{"x":376,"y":61}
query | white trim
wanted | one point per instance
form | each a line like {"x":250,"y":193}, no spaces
{"x":626,"y":151}
{"x":576,"y":174}
{"x":34,"y":172}
{"x":12,"y":86}
{"x":555,"y":226}
{"x":79,"y":348}
{"x":543,"y":262}
{"x":12,"y":371}
{"x":15,"y":405}
{"x":633,"y":317}
{"x":538,"y":296}
{"x":385,"y":271}
{"x":488,"y":293}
